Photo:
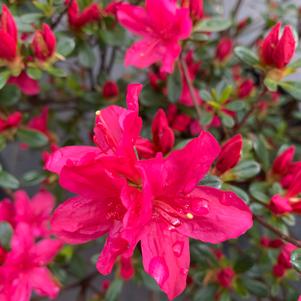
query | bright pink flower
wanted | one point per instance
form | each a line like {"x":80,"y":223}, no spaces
{"x":44,"y":43}
{"x":26,"y":84}
{"x":284,"y":257}
{"x":162,"y":26}
{"x":276,"y":51}
{"x":25,"y":267}
{"x":196,"y":8}
{"x":163,"y":135}
{"x":181,"y":122}
{"x":11,"y":121}
{"x":224,"y":49}
{"x":225,"y":277}
{"x":283,"y":161}
{"x":3,"y":253}
{"x":110,"y":90}
{"x":280,"y":205}
{"x":77,"y":19}
{"x":155,"y":201}
{"x":245,"y":88}
{"x":195,"y":128}
{"x":271,"y":243}
{"x":34,"y":212}
{"x":230,"y":154}
{"x":8,"y":35}
{"x":126,"y":268}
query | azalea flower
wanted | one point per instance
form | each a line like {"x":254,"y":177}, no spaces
{"x":225,"y":277}
{"x":161,"y":25}
{"x":34,"y":212}
{"x":44,"y":44}
{"x":155,"y":201}
{"x":25,"y":267}
{"x":11,"y":121}
{"x":276,"y":51}
{"x":196,"y":8}
{"x":78,"y":19}
{"x":224,"y":49}
{"x":25,"y":83}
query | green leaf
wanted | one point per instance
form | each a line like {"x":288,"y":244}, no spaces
{"x":174,"y":85}
{"x":114,"y":37}
{"x":33,"y":177}
{"x":206,"y":117}
{"x":8,"y":181}
{"x":114,"y":290}
{"x":205,"y":293}
{"x":9,"y":96}
{"x":271,"y":84}
{"x":34,"y":73}
{"x":86,"y":56}
{"x":292,"y":87}
{"x":225,"y":94}
{"x":212,"y":181}
{"x":256,"y":287}
{"x":262,"y":152}
{"x":243,"y":264}
{"x":65,"y":45}
{"x":2,"y":142}
{"x":205,"y":95}
{"x":296,"y":64}
{"x":3,"y":78}
{"x":227,"y":120}
{"x":296,"y":260}
{"x":214,"y":24}
{"x":258,"y":190}
{"x":246,"y":169}
{"x":236,"y":105}
{"x":199,"y":37}
{"x":32,"y":137}
{"x":57,"y":72}
{"x":246,"y":55}
{"x":6,"y":233}
{"x":240,"y":192}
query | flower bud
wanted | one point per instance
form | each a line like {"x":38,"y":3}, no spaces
{"x":110,"y":90}
{"x":282,"y":162}
{"x":276,"y":51}
{"x":44,"y":43}
{"x":225,"y":277}
{"x":163,"y":135}
{"x":245,"y":88}
{"x":196,"y":8}
{"x":230,"y":154}
{"x":8,"y":35}
{"x":280,"y":205}
{"x":224,"y":49}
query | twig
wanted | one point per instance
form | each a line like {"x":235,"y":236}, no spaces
{"x":191,"y":88}
{"x":112,"y":60}
{"x":283,"y":236}
{"x":60,"y":16}
{"x":236,"y":8}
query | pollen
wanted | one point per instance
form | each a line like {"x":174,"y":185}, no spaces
{"x":189,"y":215}
{"x":97,"y":113}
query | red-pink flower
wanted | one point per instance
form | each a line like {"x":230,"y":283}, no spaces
{"x":126,"y":268}
{"x":245,"y":88}
{"x":230,"y":154}
{"x":25,"y":267}
{"x":78,"y":19}
{"x":283,"y":161}
{"x":44,"y":43}
{"x":25,"y":83}
{"x":271,"y":243}
{"x":276,"y":51}
{"x":110,"y":90}
{"x":11,"y":121}
{"x":225,"y":277}
{"x":280,"y":204}
{"x":224,"y":49}
{"x":34,"y":212}
{"x":162,"y":25}
{"x":155,"y":201}
{"x":8,"y":35}
{"x":40,"y":122}
{"x":196,"y":8}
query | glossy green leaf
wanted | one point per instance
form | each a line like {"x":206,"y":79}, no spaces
{"x":292,"y":87}
{"x":246,"y":55}
{"x":8,"y":181}
{"x":214,"y":24}
{"x":32,"y":137}
{"x":174,"y":85}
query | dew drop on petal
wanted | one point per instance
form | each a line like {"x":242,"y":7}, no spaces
{"x":158,"y":270}
{"x":184,"y":271}
{"x":199,"y":206}
{"x":178,"y":248}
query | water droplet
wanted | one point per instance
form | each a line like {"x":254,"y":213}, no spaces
{"x":199,"y":206}
{"x":184,"y":271}
{"x":175,"y":222}
{"x":158,"y":270}
{"x":178,"y":248}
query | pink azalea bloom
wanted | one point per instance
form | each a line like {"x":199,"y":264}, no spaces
{"x":11,"y":121}
{"x":224,"y":49}
{"x":126,"y":268}
{"x":155,"y":201}
{"x":282,"y":161}
{"x":26,"y":84}
{"x":162,"y":25}
{"x":34,"y":212}
{"x":25,"y":267}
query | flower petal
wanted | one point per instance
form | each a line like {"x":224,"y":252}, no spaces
{"x":45,"y":250}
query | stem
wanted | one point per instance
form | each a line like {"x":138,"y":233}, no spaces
{"x":191,"y":88}
{"x":236,"y":8}
{"x":112,"y":60}
{"x":283,"y":236}
{"x":56,"y":22}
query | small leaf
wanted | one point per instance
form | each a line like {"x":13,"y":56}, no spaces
{"x":246,"y":169}
{"x":6,"y":233}
{"x":114,"y":290}
{"x":33,"y":177}
{"x":34,"y":73}
{"x":58,"y":72}
{"x":225,"y":94}
{"x":31,"y":137}
{"x":86,"y":56}
{"x":292,"y":87}
{"x":9,"y":96}
{"x":214,"y":24}
{"x":256,"y":287}
{"x":246,"y":55}
{"x":174,"y":85}
{"x":296,"y":260}
{"x":65,"y":45}
{"x":296,"y":64}
{"x":258,"y":190}
{"x":243,"y":264}
{"x":8,"y":181}
{"x":212,"y":181}
{"x":227,"y":120}
{"x":3,"y":78}
{"x":206,"y":293}
{"x":205,"y":95}
{"x":271,"y":84}
{"x":236,"y":105}
{"x":262,"y":152}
